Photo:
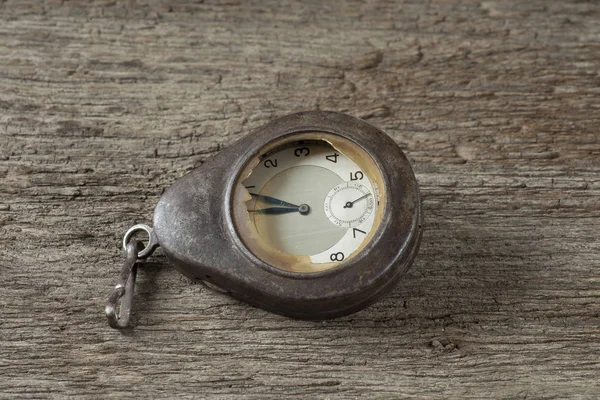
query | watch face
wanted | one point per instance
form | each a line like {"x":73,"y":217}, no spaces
{"x":308,"y":202}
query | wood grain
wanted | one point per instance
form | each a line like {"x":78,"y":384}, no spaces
{"x":103,"y":104}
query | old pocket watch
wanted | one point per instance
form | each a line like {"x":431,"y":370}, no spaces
{"x":315,"y":215}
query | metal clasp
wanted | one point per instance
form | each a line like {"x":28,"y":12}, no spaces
{"x":134,"y":250}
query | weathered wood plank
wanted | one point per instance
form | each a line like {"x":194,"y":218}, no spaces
{"x":104,"y":104}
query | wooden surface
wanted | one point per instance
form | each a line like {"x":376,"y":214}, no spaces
{"x":496,"y":103}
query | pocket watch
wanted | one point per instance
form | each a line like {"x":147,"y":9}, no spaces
{"x":315,"y":215}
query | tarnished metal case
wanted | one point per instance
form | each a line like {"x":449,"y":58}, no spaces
{"x":193,"y":224}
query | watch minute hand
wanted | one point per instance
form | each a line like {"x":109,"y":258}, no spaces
{"x":273,"y":200}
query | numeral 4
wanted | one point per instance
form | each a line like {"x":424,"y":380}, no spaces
{"x":332,"y":157}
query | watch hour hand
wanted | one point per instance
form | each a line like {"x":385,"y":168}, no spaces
{"x":275,"y":210}
{"x":303,"y":209}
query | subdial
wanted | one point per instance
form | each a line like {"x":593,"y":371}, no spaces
{"x":349,"y":204}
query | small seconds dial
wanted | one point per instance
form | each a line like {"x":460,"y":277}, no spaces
{"x":349,"y":204}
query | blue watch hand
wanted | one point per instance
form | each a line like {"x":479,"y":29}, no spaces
{"x":275,"y":210}
{"x":273,"y":200}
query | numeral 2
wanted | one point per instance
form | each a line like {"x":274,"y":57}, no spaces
{"x":270,"y":163}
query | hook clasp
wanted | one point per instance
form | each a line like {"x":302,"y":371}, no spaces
{"x":134,"y":250}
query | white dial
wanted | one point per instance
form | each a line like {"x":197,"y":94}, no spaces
{"x":307,"y":198}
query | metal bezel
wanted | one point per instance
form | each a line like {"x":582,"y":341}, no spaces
{"x":229,"y":198}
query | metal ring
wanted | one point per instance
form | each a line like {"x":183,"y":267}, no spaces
{"x":152,"y":241}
